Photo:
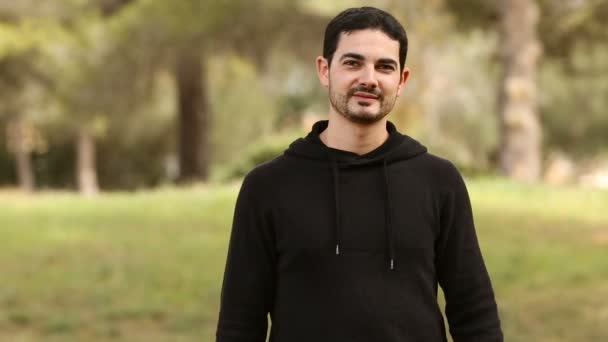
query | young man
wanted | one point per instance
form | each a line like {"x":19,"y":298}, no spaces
{"x":346,"y":236}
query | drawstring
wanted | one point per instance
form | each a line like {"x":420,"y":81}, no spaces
{"x":334,"y":166}
{"x":388,"y":215}
{"x":388,"y":211}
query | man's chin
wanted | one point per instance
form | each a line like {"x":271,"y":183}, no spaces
{"x":364,"y":118}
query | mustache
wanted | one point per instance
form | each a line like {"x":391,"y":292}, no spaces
{"x":374,"y":91}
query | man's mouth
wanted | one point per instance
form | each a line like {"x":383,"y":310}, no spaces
{"x":365,"y":95}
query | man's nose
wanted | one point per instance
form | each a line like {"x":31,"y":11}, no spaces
{"x":368,"y":77}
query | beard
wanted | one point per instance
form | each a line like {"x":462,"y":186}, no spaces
{"x":361,"y":112}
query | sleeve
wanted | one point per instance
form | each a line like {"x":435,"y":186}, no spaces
{"x":471,"y":308}
{"x":248,"y":287}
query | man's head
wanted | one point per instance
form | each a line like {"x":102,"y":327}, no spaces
{"x":363,"y":64}
{"x":361,"y":18}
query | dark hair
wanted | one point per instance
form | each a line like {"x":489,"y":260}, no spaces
{"x":354,"y":19}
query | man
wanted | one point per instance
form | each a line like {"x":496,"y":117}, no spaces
{"x":346,"y":236}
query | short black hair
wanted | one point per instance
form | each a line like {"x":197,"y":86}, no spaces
{"x":361,"y":18}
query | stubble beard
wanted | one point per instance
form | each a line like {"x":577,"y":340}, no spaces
{"x":340,"y":103}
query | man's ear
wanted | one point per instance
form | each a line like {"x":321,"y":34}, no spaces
{"x":404,"y":77}
{"x":323,"y":71}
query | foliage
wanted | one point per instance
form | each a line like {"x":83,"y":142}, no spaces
{"x":263,"y":150}
{"x":460,"y":102}
{"x":574,"y":101}
{"x":21,"y":79}
{"x":242,"y":111}
{"x":563,"y":24}
{"x":566,"y":24}
{"x":572,"y":80}
{"x":106,"y":65}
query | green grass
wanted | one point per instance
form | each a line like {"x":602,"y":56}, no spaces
{"x":147,"y":266}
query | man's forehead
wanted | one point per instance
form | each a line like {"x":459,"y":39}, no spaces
{"x":367,"y":43}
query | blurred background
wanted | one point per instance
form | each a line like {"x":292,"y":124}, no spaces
{"x":126,"y":127}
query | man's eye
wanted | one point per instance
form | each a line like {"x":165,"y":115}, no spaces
{"x":351,"y":63}
{"x":386,"y":67}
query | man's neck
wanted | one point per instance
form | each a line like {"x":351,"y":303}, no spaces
{"x":345,"y":135}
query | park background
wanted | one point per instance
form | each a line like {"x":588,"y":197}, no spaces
{"x":126,"y":127}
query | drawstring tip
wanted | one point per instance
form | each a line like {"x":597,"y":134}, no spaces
{"x":337,"y":249}
{"x":392,"y":265}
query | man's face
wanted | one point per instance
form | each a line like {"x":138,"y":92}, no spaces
{"x":364,"y":78}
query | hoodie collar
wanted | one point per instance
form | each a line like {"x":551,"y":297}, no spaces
{"x":397,"y":147}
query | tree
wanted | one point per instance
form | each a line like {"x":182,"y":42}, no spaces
{"x":64,"y":39}
{"x":86,"y":168}
{"x":20,"y":144}
{"x":568,"y":31}
{"x":192,"y":30}
{"x":519,"y":152}
{"x":193,"y":113}
{"x":18,"y":78}
{"x":520,"y":49}
{"x":103,"y":57}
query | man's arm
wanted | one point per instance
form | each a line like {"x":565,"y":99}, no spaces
{"x":470,"y":304}
{"x":248,"y":287}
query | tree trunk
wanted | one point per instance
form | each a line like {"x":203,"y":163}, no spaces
{"x":193,"y":113}
{"x":22,"y":142}
{"x":520,"y":141}
{"x":86,"y":164}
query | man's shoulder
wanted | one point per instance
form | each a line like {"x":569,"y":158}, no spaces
{"x":268,"y":171}
{"x":436,"y":172}
{"x":438,"y":166}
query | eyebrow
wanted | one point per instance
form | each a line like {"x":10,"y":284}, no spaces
{"x":361,"y":58}
{"x":352,"y":55}
{"x":388,"y":61}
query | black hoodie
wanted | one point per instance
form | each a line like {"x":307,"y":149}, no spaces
{"x":341,"y":247}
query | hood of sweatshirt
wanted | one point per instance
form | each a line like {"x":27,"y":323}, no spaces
{"x":397,"y":147}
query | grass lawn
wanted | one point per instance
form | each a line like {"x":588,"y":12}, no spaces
{"x":147,"y":266}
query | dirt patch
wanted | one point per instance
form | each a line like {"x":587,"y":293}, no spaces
{"x":600,"y":238}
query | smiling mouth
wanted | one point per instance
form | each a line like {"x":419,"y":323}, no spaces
{"x":366,"y":96}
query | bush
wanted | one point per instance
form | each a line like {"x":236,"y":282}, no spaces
{"x":255,"y":154}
